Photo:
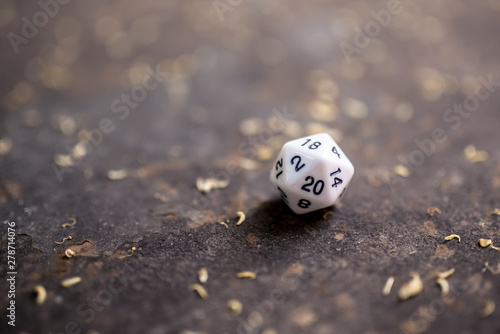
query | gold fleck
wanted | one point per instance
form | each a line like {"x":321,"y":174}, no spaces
{"x":5,"y":145}
{"x":235,"y":307}
{"x":494,"y":212}
{"x":248,"y":164}
{"x":251,"y":126}
{"x":401,"y":170}
{"x":323,"y":111}
{"x":200,"y":290}
{"x":452,"y":236}
{"x":404,"y":111}
{"x":127,"y":255}
{"x":492,"y":270}
{"x":41,"y":294}
{"x":79,"y":150}
{"x":445,"y":274}
{"x":117,"y":174}
{"x":330,"y":212}
{"x":488,"y":308}
{"x":431,"y":83}
{"x":484,"y":242}
{"x":66,"y":124}
{"x":246,"y":274}
{"x":64,"y":160}
{"x":303,"y":317}
{"x":265,"y":153}
{"x":69,"y":282}
{"x":242,"y":218}
{"x":69,"y":253}
{"x":206,"y":185}
{"x":355,"y":108}
{"x":445,"y":286}
{"x":202,"y":275}
{"x":222,"y":223}
{"x":432,"y":210}
{"x":388,"y":286}
{"x":411,"y":288}
{"x":339,"y":236}
{"x":474,"y":155}
{"x":72,"y":224}
{"x":63,"y":240}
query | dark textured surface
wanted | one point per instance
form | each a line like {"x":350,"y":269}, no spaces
{"x":315,"y":273}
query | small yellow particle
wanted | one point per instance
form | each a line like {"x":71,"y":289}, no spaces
{"x":202,"y":275}
{"x":488,"y":308}
{"x":242,"y":218}
{"x":445,"y":286}
{"x":388,"y":286}
{"x":206,"y":185}
{"x":128,"y":255}
{"x":69,"y":253}
{"x":492,"y":270}
{"x":63,"y":240}
{"x":246,"y":274}
{"x":474,"y":155}
{"x":484,"y":242}
{"x":445,"y":274}
{"x":117,"y":174}
{"x":402,"y":171}
{"x":327,"y":213}
{"x":411,"y":288}
{"x":235,"y":307}
{"x":41,"y":294}
{"x":69,"y":282}
{"x":5,"y":145}
{"x":72,"y":224}
{"x":432,"y":210}
{"x":222,"y":223}
{"x":452,"y":236}
{"x":200,"y":290}
{"x":494,"y":212}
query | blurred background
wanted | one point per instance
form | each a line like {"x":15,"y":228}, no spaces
{"x":110,"y":111}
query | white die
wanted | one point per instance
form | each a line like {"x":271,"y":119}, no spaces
{"x":311,"y":173}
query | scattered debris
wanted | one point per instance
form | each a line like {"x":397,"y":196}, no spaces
{"x":69,"y":253}
{"x":127,"y":255}
{"x":41,"y":294}
{"x":484,"y":242}
{"x":200,"y":290}
{"x":117,"y":174}
{"x":445,"y":274}
{"x":63,"y":240}
{"x":388,"y":286}
{"x":411,"y":288}
{"x":474,"y":155}
{"x":69,"y":282}
{"x":488,"y":308}
{"x":202,"y":275}
{"x":72,"y":224}
{"x":452,"y":236}
{"x":64,"y":160}
{"x":5,"y":145}
{"x":401,"y":171}
{"x":161,"y":197}
{"x":222,"y":223}
{"x":494,"y":212}
{"x":246,"y":274}
{"x":432,"y":210}
{"x":242,"y":218}
{"x":330,"y":212}
{"x":235,"y":307}
{"x":492,"y":270}
{"x":206,"y":185}
{"x":445,"y":286}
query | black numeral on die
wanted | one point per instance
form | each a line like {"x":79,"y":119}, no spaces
{"x":313,"y":146}
{"x":304,"y":203}
{"x":279,"y":165}
{"x":317,"y":187}
{"x":297,"y":159}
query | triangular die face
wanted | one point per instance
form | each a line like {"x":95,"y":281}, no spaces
{"x":317,"y":144}
{"x":297,"y":165}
